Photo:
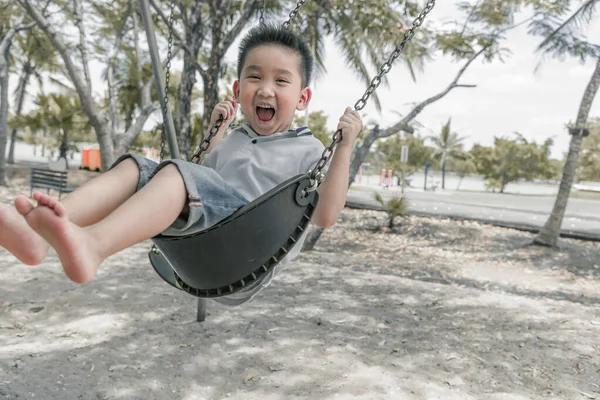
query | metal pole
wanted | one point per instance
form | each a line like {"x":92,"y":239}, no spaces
{"x":158,"y":77}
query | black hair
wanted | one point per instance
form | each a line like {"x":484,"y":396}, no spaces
{"x":275,"y":34}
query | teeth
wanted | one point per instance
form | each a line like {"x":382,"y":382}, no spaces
{"x":264,"y":106}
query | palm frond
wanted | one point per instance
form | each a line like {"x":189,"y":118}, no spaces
{"x":582,"y":16}
{"x":378,"y":198}
{"x":398,"y":206}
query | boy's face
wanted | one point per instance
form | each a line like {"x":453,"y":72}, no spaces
{"x":270,"y":89}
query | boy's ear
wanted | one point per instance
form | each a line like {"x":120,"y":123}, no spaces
{"x":236,"y":90}
{"x":305,"y":96}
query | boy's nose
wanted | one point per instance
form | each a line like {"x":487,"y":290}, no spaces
{"x":265,"y":91}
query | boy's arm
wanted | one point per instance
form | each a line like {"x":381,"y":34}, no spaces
{"x":332,"y":192}
{"x":227,"y":109}
{"x":215,"y":140}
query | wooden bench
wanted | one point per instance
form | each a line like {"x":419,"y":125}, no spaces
{"x":50,"y":180}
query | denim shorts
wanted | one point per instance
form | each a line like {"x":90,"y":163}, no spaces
{"x":210,"y":198}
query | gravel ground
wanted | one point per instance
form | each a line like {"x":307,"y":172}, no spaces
{"x":433,"y":309}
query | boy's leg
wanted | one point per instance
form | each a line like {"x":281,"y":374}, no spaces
{"x":145,"y":214}
{"x":99,"y":197}
{"x":86,"y":205}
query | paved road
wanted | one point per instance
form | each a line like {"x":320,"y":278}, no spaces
{"x":582,"y":216}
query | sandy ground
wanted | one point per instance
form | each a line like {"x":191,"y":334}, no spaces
{"x":435,"y":309}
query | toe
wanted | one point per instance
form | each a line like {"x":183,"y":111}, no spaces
{"x":36,"y":196}
{"x":23,"y":205}
{"x":59,"y":209}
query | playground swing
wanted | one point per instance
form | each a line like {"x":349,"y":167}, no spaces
{"x":264,"y":231}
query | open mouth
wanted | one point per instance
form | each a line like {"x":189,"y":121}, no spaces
{"x":265,"y":113}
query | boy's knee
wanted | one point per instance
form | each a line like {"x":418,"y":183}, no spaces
{"x":170,"y":169}
{"x":128,"y":164}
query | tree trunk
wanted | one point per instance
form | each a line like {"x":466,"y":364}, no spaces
{"x":548,"y":235}
{"x":183,"y":114}
{"x":444,"y":174}
{"x":211,"y":74}
{"x":5,"y":44}
{"x":78,"y":14}
{"x":113,"y":109}
{"x":23,"y":81}
{"x":3,"y":114}
{"x":194,"y":36}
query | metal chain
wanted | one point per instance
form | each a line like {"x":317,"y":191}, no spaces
{"x":316,"y":174}
{"x":167,"y":78}
{"x":206,"y":142}
{"x":387,"y":66}
{"x":165,"y":108}
{"x":293,"y":14}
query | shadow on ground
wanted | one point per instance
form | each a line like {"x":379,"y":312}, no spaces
{"x":351,"y":323}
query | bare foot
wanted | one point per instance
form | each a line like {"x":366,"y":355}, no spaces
{"x":74,"y":246}
{"x":18,"y":238}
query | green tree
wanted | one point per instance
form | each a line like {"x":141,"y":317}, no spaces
{"x":11,"y":23}
{"x":90,"y":40}
{"x":563,"y":31}
{"x":317,"y":122}
{"x":62,"y":117}
{"x":418,"y":155}
{"x":448,"y":145}
{"x":463,"y":165}
{"x":511,"y":160}
{"x":34,"y":56}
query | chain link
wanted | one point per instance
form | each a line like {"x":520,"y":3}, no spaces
{"x":206,"y":141}
{"x":293,"y":14}
{"x":387,"y":66}
{"x":165,"y":107}
{"x":316,"y":174}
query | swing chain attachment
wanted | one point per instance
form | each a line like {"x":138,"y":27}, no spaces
{"x":167,"y":78}
{"x":206,"y":142}
{"x":387,"y":66}
{"x":375,"y":82}
{"x":293,"y":14}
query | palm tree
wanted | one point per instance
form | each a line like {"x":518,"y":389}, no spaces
{"x":448,"y":145}
{"x":565,"y":38}
{"x":62,"y":116}
{"x":396,"y":207}
{"x":363,"y":33}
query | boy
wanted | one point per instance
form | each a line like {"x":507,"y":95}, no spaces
{"x":136,"y":200}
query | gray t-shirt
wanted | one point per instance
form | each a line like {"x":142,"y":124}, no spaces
{"x":253,"y":165}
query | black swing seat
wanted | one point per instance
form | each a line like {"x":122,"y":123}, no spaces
{"x":240,"y":249}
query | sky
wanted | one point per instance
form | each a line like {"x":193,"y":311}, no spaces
{"x":509,"y":97}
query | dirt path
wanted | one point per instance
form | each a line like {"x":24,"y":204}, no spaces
{"x":434,"y":310}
